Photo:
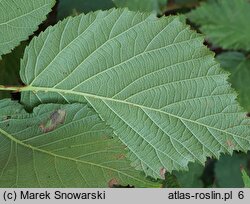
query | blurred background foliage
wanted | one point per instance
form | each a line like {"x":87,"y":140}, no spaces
{"x":227,"y":35}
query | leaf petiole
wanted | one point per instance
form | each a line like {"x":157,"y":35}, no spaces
{"x":10,"y":88}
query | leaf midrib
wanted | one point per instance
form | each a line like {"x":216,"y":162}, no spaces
{"x":62,"y":91}
{"x":10,"y":137}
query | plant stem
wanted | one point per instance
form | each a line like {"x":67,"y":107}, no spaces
{"x":10,"y":88}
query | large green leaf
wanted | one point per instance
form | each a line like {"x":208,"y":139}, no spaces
{"x":192,"y":178}
{"x":239,"y":67}
{"x":151,"y":79}
{"x":227,"y":171}
{"x":69,"y":7}
{"x":19,"y":19}
{"x":225,"y":22}
{"x":183,"y":2}
{"x":138,"y":5}
{"x":61,"y":146}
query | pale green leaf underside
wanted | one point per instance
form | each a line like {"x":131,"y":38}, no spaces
{"x":225,"y":22}
{"x":239,"y":67}
{"x":230,"y":60}
{"x":77,"y":153}
{"x":19,"y":19}
{"x":151,"y":79}
{"x":139,"y":5}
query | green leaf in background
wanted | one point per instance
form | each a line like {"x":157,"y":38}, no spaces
{"x":181,"y":6}
{"x":139,"y":5}
{"x":170,"y":181}
{"x":184,"y":2}
{"x":19,"y":19}
{"x":9,"y":68}
{"x":72,"y":7}
{"x":230,"y":60}
{"x":246,"y":179}
{"x":61,"y":146}
{"x":227,"y":170}
{"x":239,"y":67}
{"x":192,"y":178}
{"x":151,"y":79}
{"x":225,"y":22}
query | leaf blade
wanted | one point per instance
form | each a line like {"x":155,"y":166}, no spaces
{"x":238,"y":65}
{"x":221,"y":27}
{"x":227,"y":170}
{"x":167,"y":99}
{"x":78,"y":152}
{"x":14,"y":18}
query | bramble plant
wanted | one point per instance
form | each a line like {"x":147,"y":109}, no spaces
{"x":119,"y":97}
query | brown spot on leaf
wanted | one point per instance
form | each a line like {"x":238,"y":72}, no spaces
{"x":56,"y":118}
{"x":105,"y":137}
{"x":7,"y":117}
{"x":241,"y":167}
{"x":248,"y":114}
{"x":162,"y":172}
{"x":162,"y":186}
{"x":120,"y":156}
{"x":230,"y":143}
{"x":112,"y":183}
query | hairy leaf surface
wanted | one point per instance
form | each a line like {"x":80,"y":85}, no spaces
{"x":19,"y":19}
{"x":225,"y":22}
{"x":61,"y":146}
{"x":239,"y":67}
{"x":151,"y":79}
